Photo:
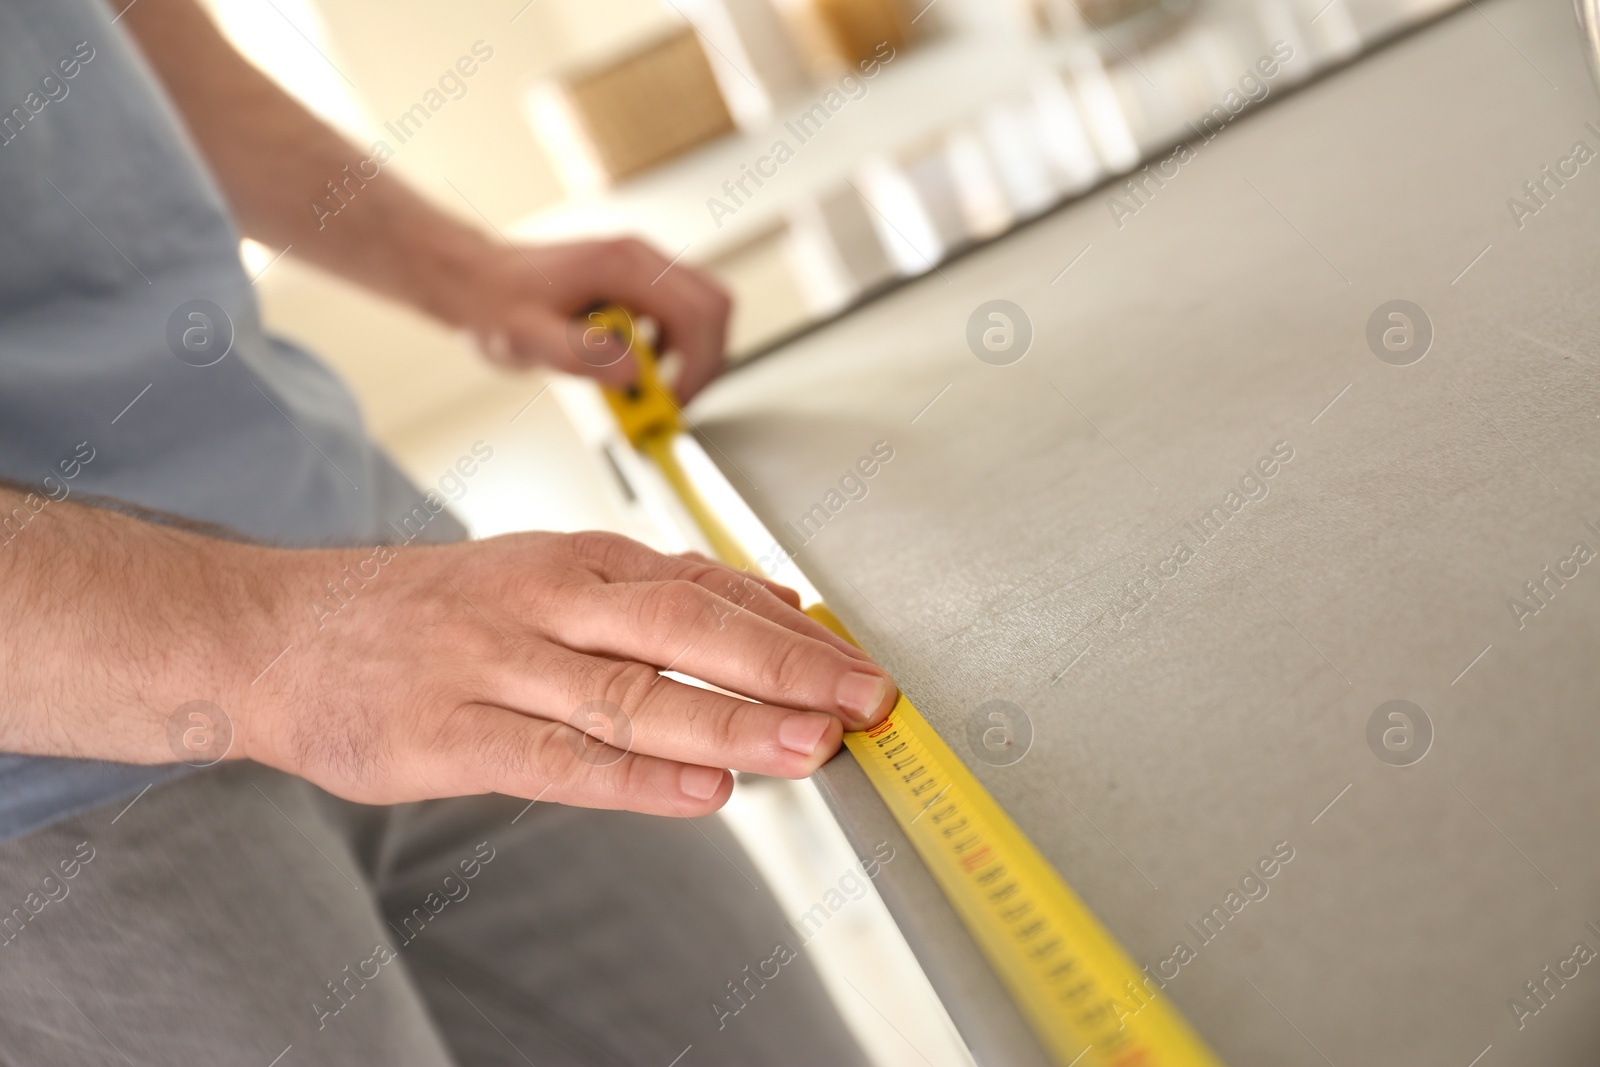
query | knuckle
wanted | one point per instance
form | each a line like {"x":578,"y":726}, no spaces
{"x":479,"y":645}
{"x":726,"y":586}
{"x":598,"y":546}
{"x":635,"y":781}
{"x":550,"y":754}
{"x":494,"y":753}
{"x":541,"y":604}
{"x":585,"y":678}
{"x":714,"y":724}
{"x":504,"y":756}
{"x":668,"y":611}
{"x":737,"y":588}
{"x":788,"y":667}
{"x":628,"y":685}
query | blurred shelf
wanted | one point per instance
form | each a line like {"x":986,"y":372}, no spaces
{"x":917,"y":93}
{"x":958,"y":141}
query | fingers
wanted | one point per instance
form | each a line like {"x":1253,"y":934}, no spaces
{"x":701,"y":366}
{"x":690,"y":306}
{"x":744,"y":592}
{"x":631,"y":707}
{"x":614,"y":558}
{"x":535,"y":334}
{"x":480,"y":748}
{"x":777,"y":589}
{"x":534,"y":313}
{"x":678,"y":625}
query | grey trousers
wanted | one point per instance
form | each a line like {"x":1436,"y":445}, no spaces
{"x":242,"y":916}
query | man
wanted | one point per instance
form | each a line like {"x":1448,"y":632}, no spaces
{"x":240,"y":913}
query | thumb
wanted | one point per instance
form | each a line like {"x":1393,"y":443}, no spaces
{"x":539,"y":336}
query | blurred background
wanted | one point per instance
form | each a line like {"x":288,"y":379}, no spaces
{"x":810,"y":154}
{"x":910,"y":133}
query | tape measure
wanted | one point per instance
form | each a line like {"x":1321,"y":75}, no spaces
{"x":1087,"y":1001}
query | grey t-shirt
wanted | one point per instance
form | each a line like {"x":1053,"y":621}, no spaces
{"x":117,"y":256}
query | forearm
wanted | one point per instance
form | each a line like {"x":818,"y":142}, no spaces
{"x":112,"y":624}
{"x":275,"y":160}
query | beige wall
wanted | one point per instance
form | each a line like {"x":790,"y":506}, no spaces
{"x":394,"y":50}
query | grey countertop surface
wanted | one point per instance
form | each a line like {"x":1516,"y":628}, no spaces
{"x":1194,"y":709}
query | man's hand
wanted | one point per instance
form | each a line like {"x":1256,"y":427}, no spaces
{"x":443,"y":670}
{"x":274,"y":160}
{"x":480,"y":667}
{"x":524,"y":305}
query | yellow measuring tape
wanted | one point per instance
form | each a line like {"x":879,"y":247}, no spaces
{"x":1085,"y":998}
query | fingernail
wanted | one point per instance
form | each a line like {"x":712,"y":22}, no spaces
{"x":861,"y":694}
{"x":803,"y":732}
{"x":701,"y":783}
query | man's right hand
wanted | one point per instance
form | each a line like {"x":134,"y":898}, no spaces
{"x":478,"y":667}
